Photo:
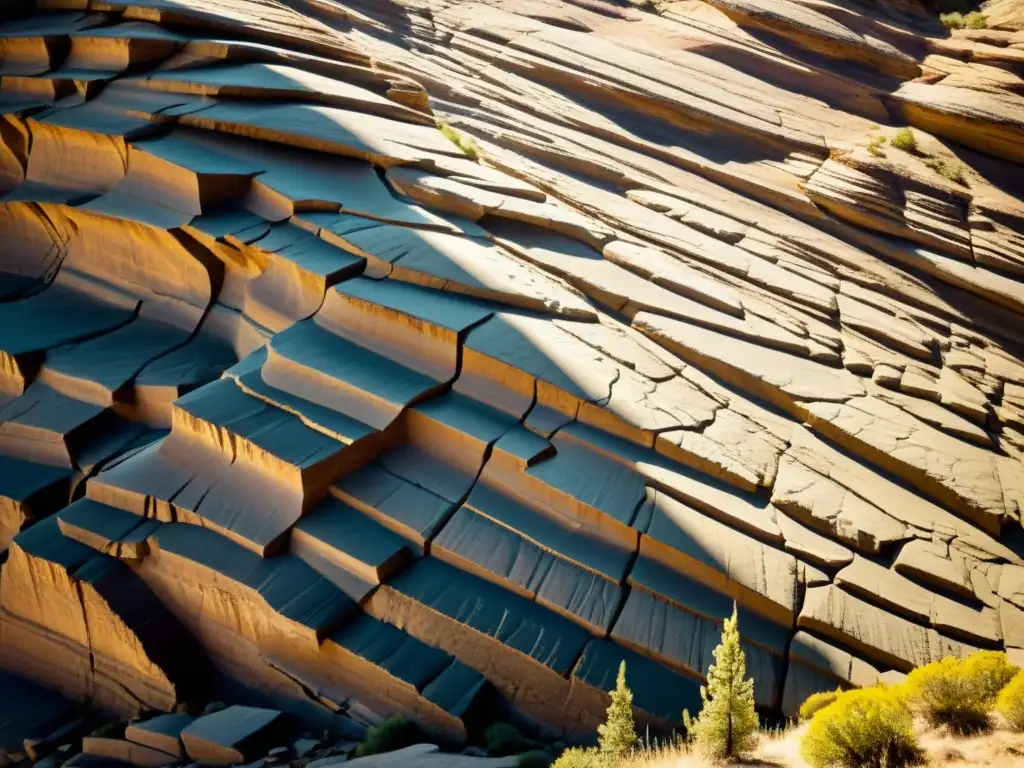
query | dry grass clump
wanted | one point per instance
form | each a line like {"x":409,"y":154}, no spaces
{"x":875,"y":146}
{"x":957,"y":20}
{"x":904,"y":139}
{"x":466,"y":144}
{"x":952,"y":171}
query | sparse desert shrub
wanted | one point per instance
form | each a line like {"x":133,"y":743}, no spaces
{"x":503,"y":739}
{"x":579,"y":757}
{"x":864,"y":728}
{"x":466,"y":144}
{"x":394,"y":733}
{"x":959,"y":694}
{"x":817,"y":701}
{"x":976,"y":20}
{"x":727,"y":725}
{"x":875,"y":146}
{"x":904,"y":139}
{"x":617,"y":736}
{"x":1010,"y":703}
{"x":955,"y":20}
{"x":990,"y":672}
{"x":952,"y":171}
{"x":536,"y":758}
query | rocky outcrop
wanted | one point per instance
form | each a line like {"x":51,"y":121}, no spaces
{"x":436,"y":357}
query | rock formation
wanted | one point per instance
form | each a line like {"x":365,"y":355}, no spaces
{"x":302,"y":401}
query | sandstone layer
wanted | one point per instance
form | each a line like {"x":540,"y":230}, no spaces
{"x":312,"y":404}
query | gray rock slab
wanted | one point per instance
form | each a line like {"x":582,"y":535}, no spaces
{"x":413,"y":512}
{"x":101,"y":526}
{"x":127,"y":752}
{"x":552,"y":532}
{"x":514,"y":560}
{"x":28,"y":491}
{"x":28,"y":711}
{"x":756,"y":574}
{"x":288,"y":585}
{"x":347,"y":547}
{"x":202,"y":359}
{"x":685,"y":641}
{"x":56,"y":316}
{"x":162,"y":732}
{"x":515,"y":621}
{"x":456,"y":689}
{"x":657,"y":690}
{"x":248,"y":504}
{"x":233,"y":735}
{"x":110,"y":361}
{"x":873,"y":632}
{"x":327,"y":421}
{"x":402,"y":656}
{"x":223,"y":404}
{"x":457,"y":313}
{"x":342,"y":375}
{"x":327,"y":129}
{"x":49,"y":426}
{"x":697,"y":597}
{"x":592,"y":479}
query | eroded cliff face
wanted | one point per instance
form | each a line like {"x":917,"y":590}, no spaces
{"x":295,"y":392}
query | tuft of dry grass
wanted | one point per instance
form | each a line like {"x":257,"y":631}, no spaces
{"x":904,"y":139}
{"x":957,"y":20}
{"x":466,"y":144}
{"x":952,"y":171}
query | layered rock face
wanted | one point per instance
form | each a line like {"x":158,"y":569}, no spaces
{"x":298,"y":395}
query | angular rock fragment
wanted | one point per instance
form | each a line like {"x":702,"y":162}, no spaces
{"x":233,"y":735}
{"x":162,"y":732}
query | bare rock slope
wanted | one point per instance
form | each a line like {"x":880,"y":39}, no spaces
{"x":296,"y":393}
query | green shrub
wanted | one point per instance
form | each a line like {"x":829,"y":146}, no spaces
{"x":990,"y":672}
{"x":1010,"y":703}
{"x":905,"y":140}
{"x":875,"y":146}
{"x":503,"y":739}
{"x":953,"y":20}
{"x":727,"y":725}
{"x":957,"y":693}
{"x":865,"y":728}
{"x":617,"y":735}
{"x":536,"y":758}
{"x":578,"y":757}
{"x":817,"y":701}
{"x":394,"y":733}
{"x":976,"y":20}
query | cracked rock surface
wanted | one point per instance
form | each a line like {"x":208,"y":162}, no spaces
{"x":376,"y":357}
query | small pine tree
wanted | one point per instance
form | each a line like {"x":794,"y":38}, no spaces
{"x":617,"y":736}
{"x":727,"y":724}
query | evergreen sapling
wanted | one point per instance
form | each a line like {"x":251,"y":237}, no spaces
{"x":727,"y":724}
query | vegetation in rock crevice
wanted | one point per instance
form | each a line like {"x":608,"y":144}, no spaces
{"x":466,"y":144}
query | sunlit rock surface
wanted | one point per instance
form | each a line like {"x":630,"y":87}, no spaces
{"x":300,"y":401}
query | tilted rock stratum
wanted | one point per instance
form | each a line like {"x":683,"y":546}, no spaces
{"x":300,"y":400}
